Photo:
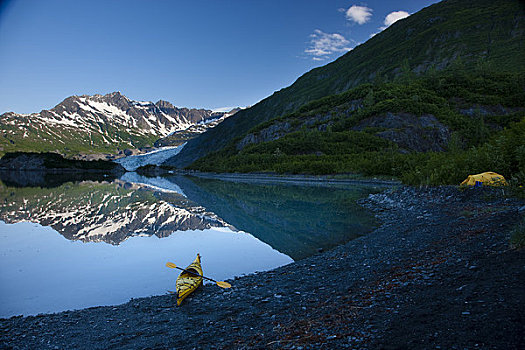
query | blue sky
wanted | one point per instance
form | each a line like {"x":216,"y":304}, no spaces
{"x":206,"y":54}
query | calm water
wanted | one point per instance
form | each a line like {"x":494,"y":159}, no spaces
{"x":70,"y":245}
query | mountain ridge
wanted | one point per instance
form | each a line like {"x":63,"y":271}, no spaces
{"x":83,"y":124}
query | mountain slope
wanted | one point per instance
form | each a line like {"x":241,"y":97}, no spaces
{"x":99,"y":124}
{"x":451,"y":32}
{"x":435,"y":128}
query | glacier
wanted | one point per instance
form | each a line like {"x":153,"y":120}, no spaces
{"x":156,"y":157}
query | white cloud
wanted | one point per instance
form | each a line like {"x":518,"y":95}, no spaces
{"x":359,"y":14}
{"x":323,"y":45}
{"x":393,"y":17}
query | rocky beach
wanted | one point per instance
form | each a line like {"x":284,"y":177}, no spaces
{"x":439,"y":272}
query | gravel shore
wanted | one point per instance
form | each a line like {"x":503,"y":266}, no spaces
{"x":438,"y":273}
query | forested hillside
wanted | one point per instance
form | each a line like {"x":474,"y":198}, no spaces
{"x":430,"y":129}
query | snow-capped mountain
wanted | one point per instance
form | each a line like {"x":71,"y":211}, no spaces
{"x":179,"y":137}
{"x":100,"y":124}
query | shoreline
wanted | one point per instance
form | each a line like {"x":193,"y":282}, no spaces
{"x":437,"y":272}
{"x":294,"y":179}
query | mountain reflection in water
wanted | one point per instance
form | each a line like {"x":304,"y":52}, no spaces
{"x":296,"y":219}
{"x":109,"y":212}
{"x":42,"y":272}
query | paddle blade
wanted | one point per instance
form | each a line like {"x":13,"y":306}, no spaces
{"x":171,"y":265}
{"x":223,"y":284}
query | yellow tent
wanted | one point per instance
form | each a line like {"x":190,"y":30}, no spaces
{"x":485,"y":179}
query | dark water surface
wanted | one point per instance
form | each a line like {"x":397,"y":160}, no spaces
{"x":75,"y":244}
{"x":296,"y":219}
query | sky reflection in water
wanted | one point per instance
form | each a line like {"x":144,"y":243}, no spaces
{"x":42,"y":271}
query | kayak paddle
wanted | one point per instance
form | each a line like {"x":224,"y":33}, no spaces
{"x":219,"y":283}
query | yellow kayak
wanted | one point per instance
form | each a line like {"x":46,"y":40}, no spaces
{"x":187,"y":282}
